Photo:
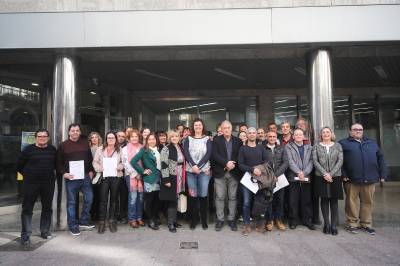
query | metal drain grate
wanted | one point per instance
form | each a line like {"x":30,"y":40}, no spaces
{"x":16,"y":246}
{"x":189,"y":245}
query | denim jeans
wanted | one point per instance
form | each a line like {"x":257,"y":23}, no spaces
{"x":247,"y":196}
{"x":275,"y":212}
{"x":73,"y":187}
{"x":30,"y":194}
{"x":135,"y":203}
{"x":198,"y":184}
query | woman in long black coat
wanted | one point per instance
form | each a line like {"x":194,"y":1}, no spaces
{"x":173,"y":176}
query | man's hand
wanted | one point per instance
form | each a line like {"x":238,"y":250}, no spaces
{"x":346,"y":179}
{"x":230,"y":165}
{"x":257,"y":172}
{"x":301,"y":175}
{"x":68,"y":176}
{"x":168,"y":184}
{"x":382,"y":179}
{"x":91,"y":174}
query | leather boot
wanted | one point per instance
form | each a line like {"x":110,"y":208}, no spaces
{"x":194,"y":212}
{"x":102,"y":227}
{"x":113,"y":226}
{"x":203,"y":212}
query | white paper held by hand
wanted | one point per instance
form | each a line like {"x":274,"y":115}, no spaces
{"x":246,"y":181}
{"x":281,"y":183}
{"x":109,"y":167}
{"x":77,"y":169}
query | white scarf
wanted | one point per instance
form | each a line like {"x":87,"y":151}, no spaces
{"x":157,"y":155}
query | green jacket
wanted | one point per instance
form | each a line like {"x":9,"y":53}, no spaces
{"x":149,"y":162}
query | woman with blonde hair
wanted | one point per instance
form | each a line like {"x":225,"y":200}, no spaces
{"x":328,"y":161}
{"x":173,"y":176}
{"x":95,"y":142}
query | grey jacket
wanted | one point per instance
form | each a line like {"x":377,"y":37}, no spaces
{"x":297,"y":165}
{"x":328,"y":163}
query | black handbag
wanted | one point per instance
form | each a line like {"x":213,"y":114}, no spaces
{"x":262,"y":200}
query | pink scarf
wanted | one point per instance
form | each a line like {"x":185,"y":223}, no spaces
{"x":135,"y":183}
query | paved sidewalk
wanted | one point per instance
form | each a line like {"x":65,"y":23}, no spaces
{"x":147,"y":247}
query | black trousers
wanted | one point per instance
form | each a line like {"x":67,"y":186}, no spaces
{"x":122,"y":199}
{"x":300,"y":202}
{"x":151,"y":205}
{"x":94,"y":211}
{"x":332,"y":204}
{"x":172,"y":211}
{"x":30,"y":192}
{"x":108,"y":186}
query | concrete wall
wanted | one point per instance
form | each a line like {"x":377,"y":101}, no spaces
{"x":13,"y":6}
{"x":200,"y":27}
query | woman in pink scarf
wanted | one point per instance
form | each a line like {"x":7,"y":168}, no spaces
{"x":133,"y":180}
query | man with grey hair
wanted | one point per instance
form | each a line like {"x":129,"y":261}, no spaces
{"x":226,"y":174}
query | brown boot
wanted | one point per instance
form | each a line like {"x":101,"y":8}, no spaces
{"x":269,"y":226}
{"x":281,"y":226}
{"x":140,"y":222}
{"x":133,"y":224}
{"x":246,"y":230}
{"x":260,"y":228}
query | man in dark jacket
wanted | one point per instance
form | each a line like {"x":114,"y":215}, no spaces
{"x":363,"y":166}
{"x":278,"y":157}
{"x":226,"y":174}
{"x":37,"y":164}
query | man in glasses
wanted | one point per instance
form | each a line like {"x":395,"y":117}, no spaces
{"x":363,"y":166}
{"x":37,"y":164}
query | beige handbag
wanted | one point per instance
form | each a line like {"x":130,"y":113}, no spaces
{"x":182,"y":203}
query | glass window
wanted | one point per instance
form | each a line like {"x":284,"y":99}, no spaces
{"x":341,"y":116}
{"x":303,"y":109}
{"x":365,"y":113}
{"x":390,"y":113}
{"x":20,"y":111}
{"x":285,"y":109}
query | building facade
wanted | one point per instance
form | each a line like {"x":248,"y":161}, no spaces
{"x":113,"y":64}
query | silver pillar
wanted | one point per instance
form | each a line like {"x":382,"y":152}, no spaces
{"x":321,"y":105}
{"x":64,"y":113}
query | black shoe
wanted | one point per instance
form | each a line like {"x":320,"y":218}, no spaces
{"x":204,"y":225}
{"x":46,"y":235}
{"x":192,"y":226}
{"x":219,"y":225}
{"x":172,"y":228}
{"x":369,"y":230}
{"x":327,"y":229}
{"x":233,"y":225}
{"x":177,"y":225}
{"x":25,"y":241}
{"x":352,"y":229}
{"x":334,"y":230}
{"x":292,"y":226}
{"x":153,"y":225}
{"x":113,"y":226}
{"x":310,"y":226}
{"x":102,"y":228}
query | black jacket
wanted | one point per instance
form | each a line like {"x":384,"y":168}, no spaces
{"x":278,"y":158}
{"x":220,"y":156}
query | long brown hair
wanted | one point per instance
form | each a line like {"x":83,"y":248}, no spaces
{"x":134,"y":131}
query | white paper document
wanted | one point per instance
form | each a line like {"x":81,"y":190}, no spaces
{"x":246,"y":181}
{"x":77,"y":169}
{"x":109,"y":167}
{"x":281,"y":183}
{"x":296,"y":178}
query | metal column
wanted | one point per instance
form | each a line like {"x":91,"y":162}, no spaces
{"x":64,"y":113}
{"x":320,"y":82}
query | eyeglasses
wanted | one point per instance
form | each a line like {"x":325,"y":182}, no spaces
{"x":42,"y":136}
{"x":357,"y":129}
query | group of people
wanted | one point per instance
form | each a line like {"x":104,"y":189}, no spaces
{"x":154,"y":172}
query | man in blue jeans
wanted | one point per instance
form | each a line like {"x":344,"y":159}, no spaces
{"x":75,"y":151}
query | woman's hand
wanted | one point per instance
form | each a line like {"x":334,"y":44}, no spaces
{"x":147,"y":172}
{"x":120,"y":167}
{"x":195,"y":169}
{"x":328,"y":178}
{"x":168,"y":184}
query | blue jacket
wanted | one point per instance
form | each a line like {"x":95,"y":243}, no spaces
{"x":363,"y":161}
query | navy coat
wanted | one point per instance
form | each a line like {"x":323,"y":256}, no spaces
{"x":363,"y":162}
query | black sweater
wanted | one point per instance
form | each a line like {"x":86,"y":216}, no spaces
{"x":251,"y":156}
{"x":36,"y":164}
